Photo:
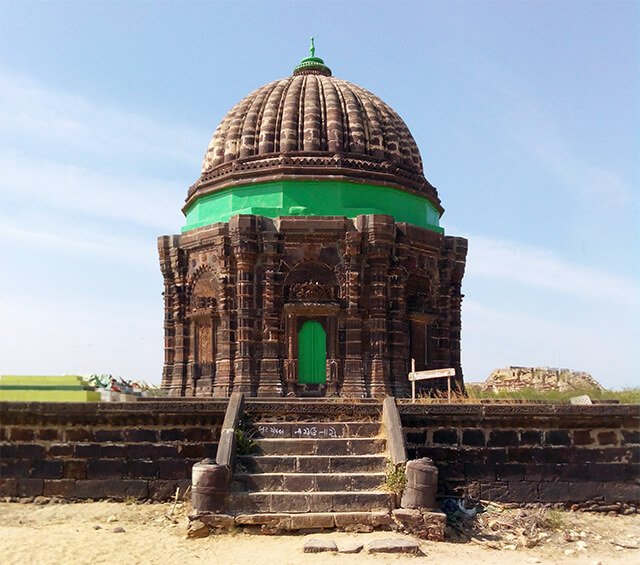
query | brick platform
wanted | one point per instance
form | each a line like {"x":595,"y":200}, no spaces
{"x":519,"y":453}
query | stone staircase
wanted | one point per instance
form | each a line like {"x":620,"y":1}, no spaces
{"x":333,"y":469}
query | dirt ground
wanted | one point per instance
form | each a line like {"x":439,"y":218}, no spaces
{"x":109,"y":532}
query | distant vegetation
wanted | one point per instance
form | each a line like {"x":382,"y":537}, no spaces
{"x":630,"y":395}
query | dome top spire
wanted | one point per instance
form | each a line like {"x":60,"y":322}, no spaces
{"x":312,"y":65}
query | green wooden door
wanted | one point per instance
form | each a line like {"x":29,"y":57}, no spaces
{"x":312,"y":353}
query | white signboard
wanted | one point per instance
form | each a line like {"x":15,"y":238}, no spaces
{"x":432,"y":374}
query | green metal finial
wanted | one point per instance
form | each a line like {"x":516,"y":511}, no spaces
{"x":312,"y":65}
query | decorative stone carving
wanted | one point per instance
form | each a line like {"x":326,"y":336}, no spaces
{"x":203,"y":302}
{"x":372,"y":301}
{"x":312,"y":291}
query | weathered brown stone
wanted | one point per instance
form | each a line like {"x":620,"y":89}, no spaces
{"x":279,"y":520}
{"x":216,"y":520}
{"x":393,"y":545}
{"x":319,"y":546}
{"x":64,"y":488}
{"x":434,"y":525}
{"x":347,"y":519}
{"x":608,"y":438}
{"x":197,"y":529}
{"x":8,"y":487}
{"x":311,"y":520}
{"x":30,"y":487}
{"x":350,"y":547}
{"x":111,"y":488}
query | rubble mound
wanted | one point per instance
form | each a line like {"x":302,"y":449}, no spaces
{"x":539,"y":378}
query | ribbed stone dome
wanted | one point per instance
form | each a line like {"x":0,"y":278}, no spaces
{"x":312,"y":126}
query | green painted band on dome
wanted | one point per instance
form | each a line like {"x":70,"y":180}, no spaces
{"x":312,"y":198}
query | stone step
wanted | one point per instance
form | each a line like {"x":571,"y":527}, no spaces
{"x":298,"y":502}
{"x":272,"y":522}
{"x":311,"y":463}
{"x":313,"y":430}
{"x":352,"y":446}
{"x":305,"y":482}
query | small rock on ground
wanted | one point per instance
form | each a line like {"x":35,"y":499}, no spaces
{"x":393,"y":545}
{"x":315,"y":545}
{"x":197,"y":529}
{"x":119,"y":530}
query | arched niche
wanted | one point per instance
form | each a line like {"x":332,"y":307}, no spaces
{"x":204,"y":292}
{"x":420,"y":307}
{"x":204,"y":323}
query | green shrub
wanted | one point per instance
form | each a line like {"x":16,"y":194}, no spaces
{"x":395,"y":479}
{"x":245,"y":444}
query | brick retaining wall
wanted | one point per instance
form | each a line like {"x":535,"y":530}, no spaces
{"x":530,"y":453}
{"x":519,"y":453}
{"x":132,"y":450}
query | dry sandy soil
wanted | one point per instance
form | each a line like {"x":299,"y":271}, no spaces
{"x":108,"y":532}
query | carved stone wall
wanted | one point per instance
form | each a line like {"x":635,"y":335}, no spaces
{"x":237,"y":293}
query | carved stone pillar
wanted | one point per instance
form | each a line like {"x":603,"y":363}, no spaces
{"x":172,"y":265}
{"x":398,"y":335}
{"x":270,"y":383}
{"x":169,"y":342}
{"x":224,"y":364}
{"x":243,"y":236}
{"x":378,"y":326}
{"x":291,"y":360}
{"x":182,"y":343}
{"x":380,"y":236}
{"x":192,"y":364}
{"x":353,"y":382}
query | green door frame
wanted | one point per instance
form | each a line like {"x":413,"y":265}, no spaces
{"x":312,"y":353}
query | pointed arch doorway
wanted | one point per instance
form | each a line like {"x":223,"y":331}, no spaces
{"x":312,"y":353}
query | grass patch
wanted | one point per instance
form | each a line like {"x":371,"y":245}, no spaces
{"x":553,"y":520}
{"x":245,"y":444}
{"x":625,"y":396}
{"x":395,"y":479}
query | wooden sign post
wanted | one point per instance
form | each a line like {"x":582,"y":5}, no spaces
{"x":426,"y":375}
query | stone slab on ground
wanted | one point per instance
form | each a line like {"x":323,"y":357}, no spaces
{"x":350,"y":547}
{"x":315,"y":545}
{"x":393,"y":545}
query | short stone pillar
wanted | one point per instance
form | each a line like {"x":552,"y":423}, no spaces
{"x":210,"y":484}
{"x":422,"y":484}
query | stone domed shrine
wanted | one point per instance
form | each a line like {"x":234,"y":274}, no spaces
{"x":312,"y":262}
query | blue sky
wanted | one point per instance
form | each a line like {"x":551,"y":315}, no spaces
{"x":526,"y":115}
